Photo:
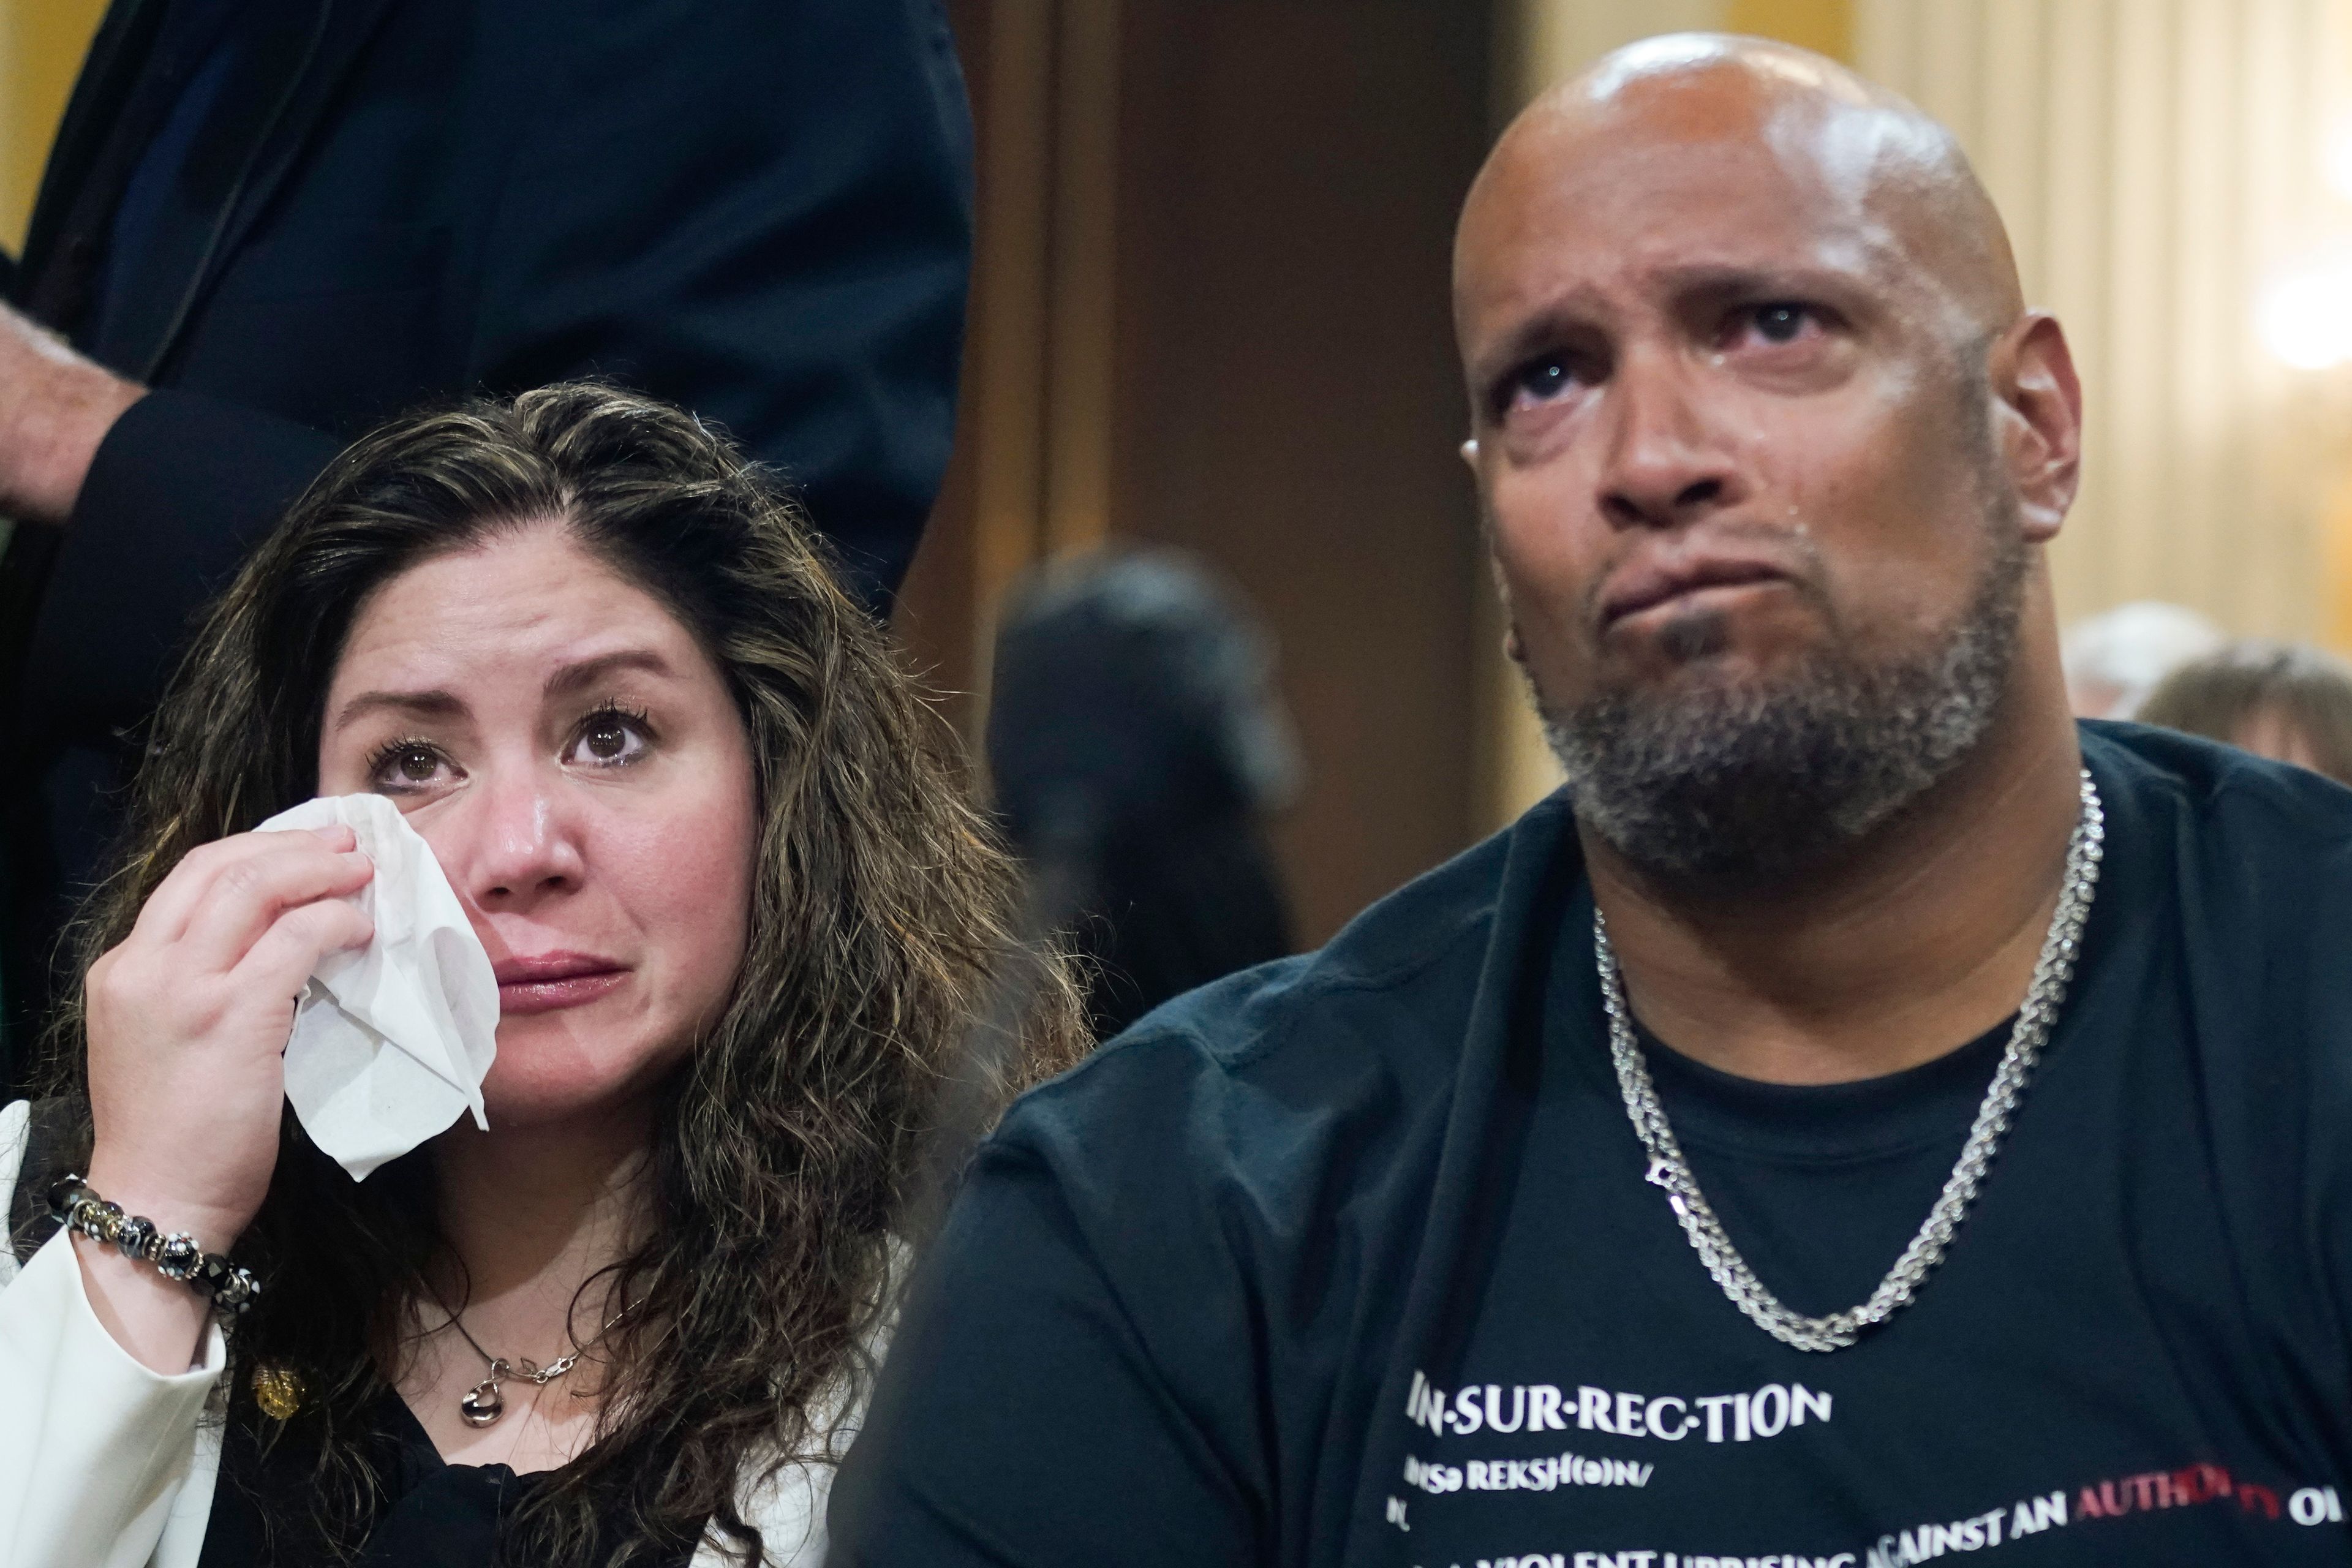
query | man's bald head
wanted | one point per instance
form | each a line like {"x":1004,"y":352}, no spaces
{"x":1864,"y":156}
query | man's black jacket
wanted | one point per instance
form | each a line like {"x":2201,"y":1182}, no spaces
{"x":758,"y":208}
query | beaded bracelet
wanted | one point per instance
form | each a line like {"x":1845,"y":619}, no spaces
{"x":175,"y":1254}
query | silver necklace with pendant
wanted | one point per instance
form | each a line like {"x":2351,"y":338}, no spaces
{"x":483,"y":1403}
{"x":1671,"y":1172}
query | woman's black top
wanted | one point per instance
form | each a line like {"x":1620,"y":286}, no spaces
{"x":435,"y":1514}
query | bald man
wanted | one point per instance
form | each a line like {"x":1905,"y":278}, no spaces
{"x":1864,"y":1118}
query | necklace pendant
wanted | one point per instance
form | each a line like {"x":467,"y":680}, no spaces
{"x":482,"y":1404}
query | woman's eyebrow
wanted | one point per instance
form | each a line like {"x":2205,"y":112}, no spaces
{"x":571,"y":677}
{"x":423,"y":704}
{"x":439,"y":704}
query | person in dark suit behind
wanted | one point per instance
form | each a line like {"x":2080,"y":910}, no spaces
{"x":268,"y":225}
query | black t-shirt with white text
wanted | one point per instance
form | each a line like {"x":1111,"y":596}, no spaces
{"x":1633,"y":1417}
{"x":1351,"y":1259}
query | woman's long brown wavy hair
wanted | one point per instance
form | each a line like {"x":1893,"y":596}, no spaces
{"x":793,"y":1139}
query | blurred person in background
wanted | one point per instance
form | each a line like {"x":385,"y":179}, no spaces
{"x":2283,"y":700}
{"x":1136,"y":747}
{"x":266,"y":225}
{"x":2115,"y":658}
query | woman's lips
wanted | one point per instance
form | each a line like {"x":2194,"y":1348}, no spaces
{"x":554,"y":981}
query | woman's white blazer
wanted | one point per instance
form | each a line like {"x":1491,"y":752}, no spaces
{"x":106,"y":1464}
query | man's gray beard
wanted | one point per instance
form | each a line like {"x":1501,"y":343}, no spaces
{"x":1745,"y":785}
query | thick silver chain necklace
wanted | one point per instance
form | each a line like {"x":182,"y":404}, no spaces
{"x":1670,"y":1171}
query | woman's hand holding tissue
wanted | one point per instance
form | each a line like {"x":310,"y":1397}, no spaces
{"x":187,"y":1026}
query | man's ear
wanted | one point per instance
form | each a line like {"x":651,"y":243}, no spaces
{"x":2041,"y":426}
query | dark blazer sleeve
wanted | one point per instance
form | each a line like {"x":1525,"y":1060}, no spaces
{"x":763,"y":209}
{"x":182,"y":487}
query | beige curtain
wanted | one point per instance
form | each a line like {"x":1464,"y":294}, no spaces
{"x":2159,"y":163}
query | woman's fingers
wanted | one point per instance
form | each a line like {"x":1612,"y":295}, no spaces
{"x":187,"y":1019}
{"x":246,"y":896}
{"x":281,"y":959}
{"x":172,"y":908}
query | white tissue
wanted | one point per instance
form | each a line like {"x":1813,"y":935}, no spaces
{"x":390,"y":1041}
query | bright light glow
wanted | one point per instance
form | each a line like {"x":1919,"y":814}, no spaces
{"x":2337,"y":161}
{"x":2305,"y":317}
